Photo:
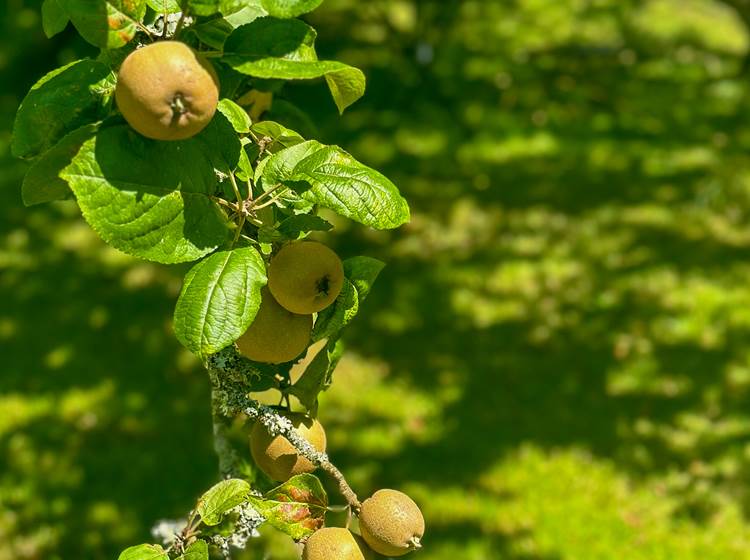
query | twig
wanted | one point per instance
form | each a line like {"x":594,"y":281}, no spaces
{"x":276,"y":424}
{"x":223,"y":202}
{"x":146,"y":31}
{"x":238,"y":233}
{"x":235,"y":187}
{"x":228,"y":458}
{"x":164,"y":15}
{"x":249,"y":239}
{"x":181,"y":21}
{"x":268,"y":193}
{"x":269,"y":202}
{"x":268,"y":198}
{"x":227,"y":370}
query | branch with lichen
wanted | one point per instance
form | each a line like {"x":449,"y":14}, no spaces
{"x":231,"y":376}
{"x":229,"y":459}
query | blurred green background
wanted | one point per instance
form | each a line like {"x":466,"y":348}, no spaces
{"x":556,"y":361}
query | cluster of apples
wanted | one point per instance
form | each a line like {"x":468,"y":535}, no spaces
{"x":167,"y":91}
{"x":304,"y":277}
{"x":390,"y":522}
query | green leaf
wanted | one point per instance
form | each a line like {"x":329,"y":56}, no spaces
{"x":292,"y":227}
{"x":147,"y":198}
{"x":232,"y":83}
{"x":236,"y":115}
{"x":301,"y":488}
{"x":107,"y":24}
{"x":224,"y":145}
{"x":297,"y":507}
{"x":270,"y":41}
{"x":204,"y":7}
{"x":114,"y":58}
{"x":219,"y":300}
{"x":279,"y":136}
{"x":196,"y":551}
{"x":318,"y":374}
{"x":285,"y":49}
{"x":268,"y":234}
{"x":144,"y":552}
{"x":351,"y":189}
{"x":242,"y":12}
{"x":290,"y":8}
{"x":339,"y":182}
{"x":281,"y":166}
{"x":260,"y":377}
{"x":164,"y":6}
{"x":221,"y":498}
{"x":224,"y":7}
{"x":244,"y":167}
{"x":214,"y":32}
{"x":54,"y":17}
{"x":347,"y":85}
{"x":62,"y":101}
{"x":42,"y":182}
{"x":337,"y":315}
{"x":362,"y":272}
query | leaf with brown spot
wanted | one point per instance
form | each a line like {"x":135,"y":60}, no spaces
{"x":107,"y":24}
{"x":297,"y":507}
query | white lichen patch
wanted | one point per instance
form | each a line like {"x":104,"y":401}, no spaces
{"x":166,"y":530}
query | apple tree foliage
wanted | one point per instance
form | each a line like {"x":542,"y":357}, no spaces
{"x":223,"y":199}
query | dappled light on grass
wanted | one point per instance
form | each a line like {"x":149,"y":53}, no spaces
{"x":577,"y":261}
{"x":372,"y":403}
{"x":91,"y":381}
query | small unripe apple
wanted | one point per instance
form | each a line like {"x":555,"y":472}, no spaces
{"x":391,"y":523}
{"x":335,"y":543}
{"x":167,"y":91}
{"x":275,"y":335}
{"x":276,"y":456}
{"x":305,"y":276}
